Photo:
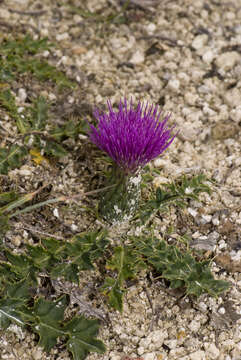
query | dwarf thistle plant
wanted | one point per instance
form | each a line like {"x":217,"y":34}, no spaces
{"x":131,"y":137}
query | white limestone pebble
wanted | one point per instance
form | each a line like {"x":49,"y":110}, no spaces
{"x":174,"y":84}
{"x":63,"y":36}
{"x":232,"y":97}
{"x":22,"y":95}
{"x":235,"y":114}
{"x":200,"y":41}
{"x":198,"y":355}
{"x":138,"y":57}
{"x":208,"y":56}
{"x":212,"y":352}
{"x":227,"y":60}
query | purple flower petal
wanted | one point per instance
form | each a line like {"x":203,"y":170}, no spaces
{"x":132,"y":136}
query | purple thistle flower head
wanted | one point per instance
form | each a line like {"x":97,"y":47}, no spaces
{"x":131,"y":137}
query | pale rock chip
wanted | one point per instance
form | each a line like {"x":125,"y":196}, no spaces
{"x":227,"y":60}
{"x":174,"y":85}
{"x":208,"y":56}
{"x":232,"y":97}
{"x":138,"y":57}
{"x":150,"y":28}
{"x":25,"y":170}
{"x":190,"y":98}
{"x":194,"y":326}
{"x":63,"y":36}
{"x":200,"y":41}
{"x":211,"y":351}
{"x":149,"y":356}
{"x":198,"y":355}
{"x":22,"y":95}
{"x":37,"y":354}
{"x":235,"y":114}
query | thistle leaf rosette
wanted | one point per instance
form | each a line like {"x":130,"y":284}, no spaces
{"x":131,"y":137}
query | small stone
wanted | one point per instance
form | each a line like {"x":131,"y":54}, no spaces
{"x":222,"y":245}
{"x":56,"y":213}
{"x":227,"y":60}
{"x":198,"y":355}
{"x":45,"y":53}
{"x":5,"y":14}
{"x":235,"y":114}
{"x":208,"y":56}
{"x":194,"y":326}
{"x":200,"y":41}
{"x":37,"y":354}
{"x":16,"y":240}
{"x":212,"y":351}
{"x":221,"y":310}
{"x":137,"y":58}
{"x":215,"y":220}
{"x":235,"y":255}
{"x":174,"y":84}
{"x":25,"y":171}
{"x":192,"y":212}
{"x":172,"y":344}
{"x":223,"y":130}
{"x":159,"y":163}
{"x":187,"y":133}
{"x":149,"y":356}
{"x":22,"y":95}
{"x":204,"y":243}
{"x":206,"y":219}
{"x":158,"y":336}
{"x":78,"y":50}
{"x":190,"y":98}
{"x":150,"y":28}
{"x":140,"y":350}
{"x":203,"y":307}
{"x":183,"y":77}
{"x":232,"y":97}
{"x":61,"y":37}
{"x":52,"y":96}
{"x":20,"y":109}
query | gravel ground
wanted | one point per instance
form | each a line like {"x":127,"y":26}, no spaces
{"x":186,"y":56}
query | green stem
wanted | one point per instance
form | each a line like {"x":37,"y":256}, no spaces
{"x":119,"y":203}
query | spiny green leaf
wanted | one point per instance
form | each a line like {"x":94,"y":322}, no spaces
{"x":122,"y":262}
{"x":182,"y":269}
{"x":23,"y":45}
{"x":112,"y":288}
{"x":6,"y":274}
{"x":69,"y":130}
{"x":15,"y":155}
{"x":68,"y":271}
{"x":177,"y":193}
{"x":7,"y":197}
{"x":19,"y":58}
{"x":82,"y":333}
{"x":55,"y":149}
{"x":21,"y":265}
{"x":39,"y":114}
{"x":9,"y":313}
{"x":18,"y":290}
{"x":125,"y":264}
{"x":11,"y":158}
{"x":4,"y":225}
{"x":40,"y":257}
{"x":7,"y":100}
{"x":48,"y":316}
{"x":52,"y":245}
